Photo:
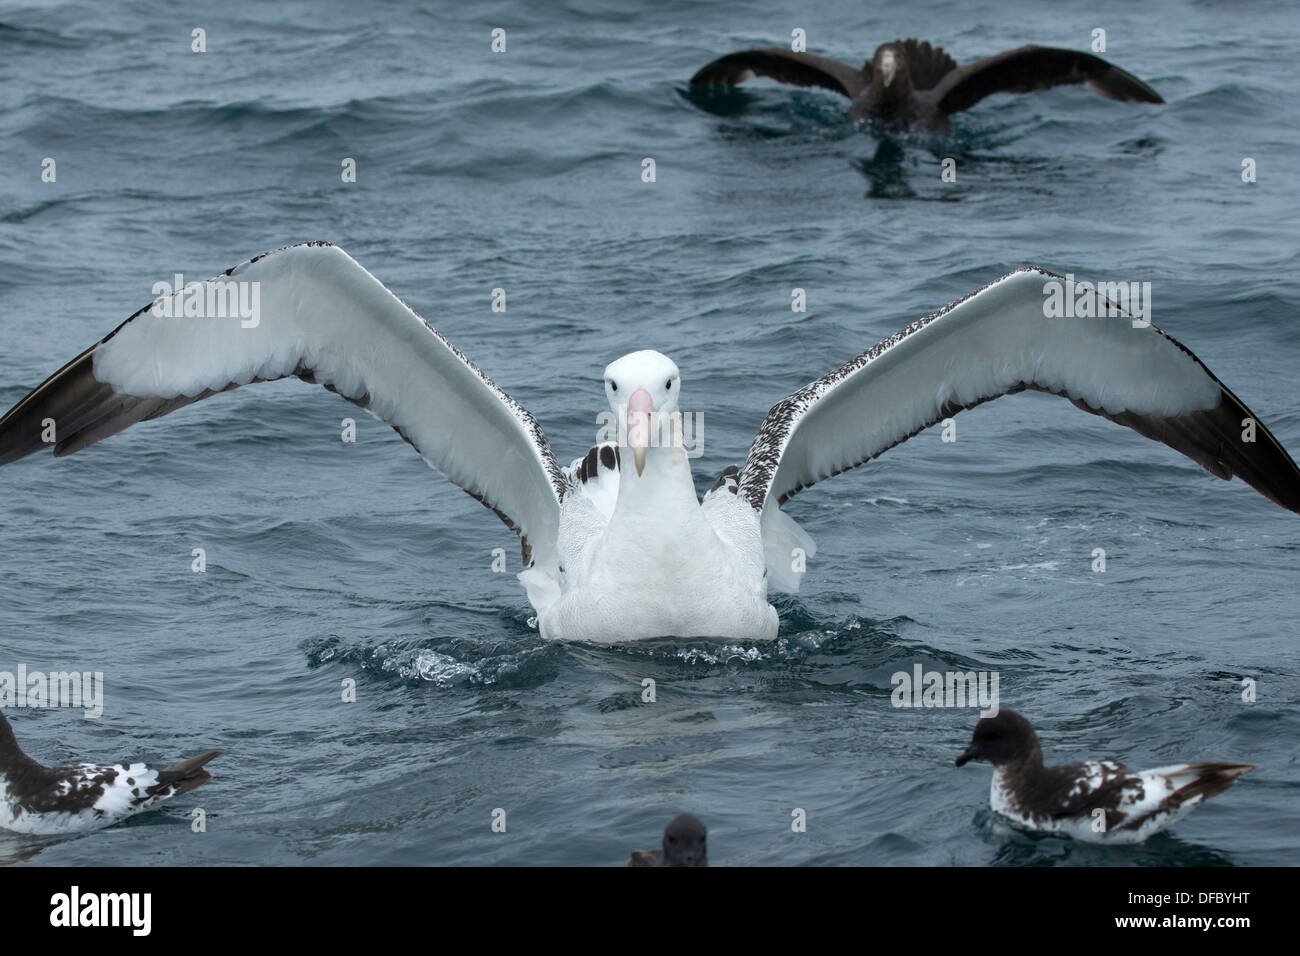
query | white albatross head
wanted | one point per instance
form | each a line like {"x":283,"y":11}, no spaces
{"x":642,"y":386}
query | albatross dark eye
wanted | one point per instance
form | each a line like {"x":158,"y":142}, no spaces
{"x":669,"y":385}
{"x":614,"y":386}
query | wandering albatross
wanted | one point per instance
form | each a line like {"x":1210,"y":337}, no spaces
{"x":912,"y":83}
{"x":618,"y":546}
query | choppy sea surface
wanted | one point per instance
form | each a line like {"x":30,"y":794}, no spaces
{"x":329,"y":562}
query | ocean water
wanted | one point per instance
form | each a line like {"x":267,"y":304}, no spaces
{"x":329,"y":563}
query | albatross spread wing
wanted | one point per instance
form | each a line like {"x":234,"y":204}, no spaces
{"x":997,"y":341}
{"x":798,"y":69}
{"x":1030,"y":68}
{"x":325,"y":319}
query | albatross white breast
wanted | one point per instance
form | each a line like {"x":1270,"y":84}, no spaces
{"x":617,"y":546}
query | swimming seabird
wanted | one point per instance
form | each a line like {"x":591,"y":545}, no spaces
{"x":1100,"y":801}
{"x":912,"y":83}
{"x":54,"y":800}
{"x":685,"y":844}
{"x":618,"y":546}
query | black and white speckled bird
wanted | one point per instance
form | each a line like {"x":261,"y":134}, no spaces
{"x":52,"y":800}
{"x":1100,"y":801}
{"x":685,"y":844}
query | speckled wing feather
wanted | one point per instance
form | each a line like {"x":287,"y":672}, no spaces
{"x":786,"y":66}
{"x":1184,"y":785}
{"x":997,"y":341}
{"x":1077,"y":789}
{"x":326,"y":320}
{"x":1032,"y":68}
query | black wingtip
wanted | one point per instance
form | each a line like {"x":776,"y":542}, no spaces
{"x":1255,"y":456}
{"x":187,"y":775}
{"x":1227,"y":440}
{"x":189,"y":767}
{"x":1212,"y":780}
{"x":1118,"y":84}
{"x":52,"y":409}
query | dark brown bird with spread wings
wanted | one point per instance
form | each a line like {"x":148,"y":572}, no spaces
{"x":910,"y":83}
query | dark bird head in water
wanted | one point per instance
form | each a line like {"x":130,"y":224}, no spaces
{"x":684,"y":842}
{"x":890,"y":78}
{"x":1005,"y":739}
